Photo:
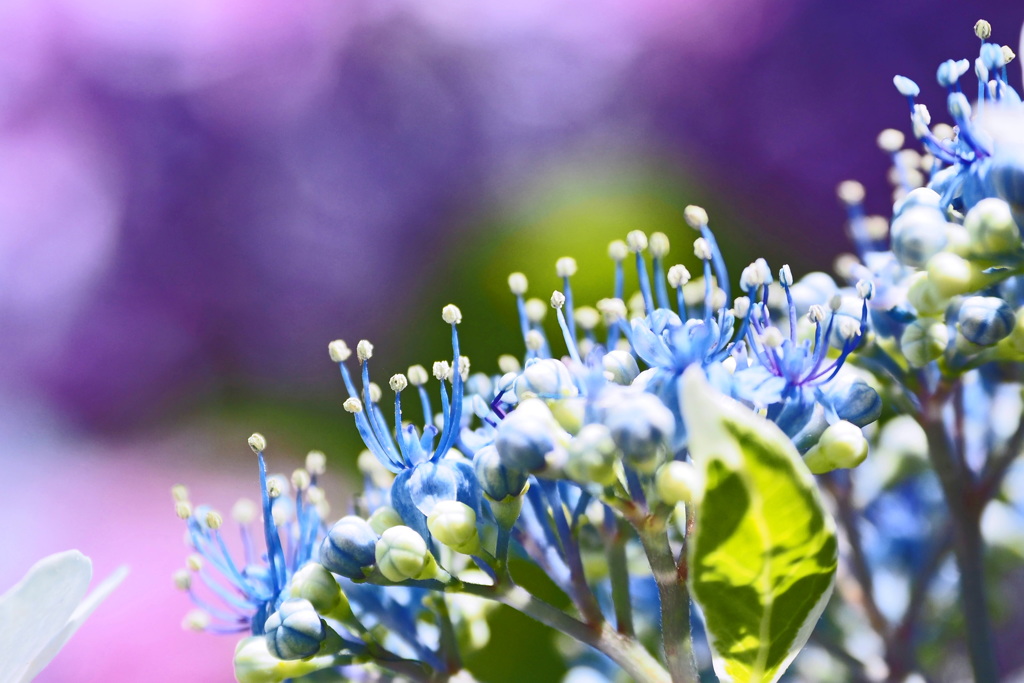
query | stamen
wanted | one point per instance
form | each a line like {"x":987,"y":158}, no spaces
{"x":509,"y":364}
{"x":339,"y":351}
{"x":659,"y":246}
{"x":636,"y":240}
{"x":565,"y":268}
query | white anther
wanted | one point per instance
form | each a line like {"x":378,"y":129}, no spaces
{"x":339,"y":351}
{"x":353,"y":405}
{"x":508,"y":363}
{"x":182,"y":580}
{"x":701,"y":249}
{"x":194,"y":562}
{"x":316,"y":462}
{"x":612,"y":310}
{"x":243,"y":511}
{"x":364,"y":350}
{"x":876,"y":227}
{"x":398,"y":382}
{"x":943,"y":131}
{"x":848,"y":327}
{"x":417,"y":375}
{"x":587,"y":317}
{"x":557,"y":299}
{"x":741,"y":307}
{"x":636,"y":240}
{"x":786,"y":276}
{"x":534,"y":340}
{"x":659,"y":244}
{"x":196,"y":620}
{"x":442,"y":370}
{"x":273,"y":489}
{"x":617,"y":250}
{"x":845,"y":265}
{"x":764,"y":273}
{"x":983,"y":29}
{"x":179,"y":492}
{"x":565,"y":266}
{"x":678,"y":276}
{"x":816,"y":313}
{"x":315,"y":494}
{"x":464,"y":367}
{"x":517,"y":283}
{"x":890,"y":140}
{"x":865,"y":289}
{"x":257,"y":442}
{"x":772,"y":338}
{"x":375,"y":392}
{"x":301,"y":479}
{"x":214,"y":520}
{"x":695,"y":216}
{"x":183,"y":509}
{"x":1008,"y":54}
{"x":850,"y":192}
{"x":451,"y":314}
{"x":536,"y":310}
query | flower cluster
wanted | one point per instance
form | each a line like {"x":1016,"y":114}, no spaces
{"x":674,"y":429}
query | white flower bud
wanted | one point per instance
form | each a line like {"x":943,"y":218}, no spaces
{"x":451,"y":314}
{"x":786,"y":276}
{"x":636,"y":240}
{"x":890,"y":140}
{"x":257,"y":442}
{"x":772,"y":338}
{"x":587,"y":317}
{"x":364,"y":350}
{"x":316,"y":462}
{"x":983,"y":29}
{"x":659,"y":244}
{"x":816,"y":313}
{"x":850,"y":192}
{"x":353,"y":405}
{"x":612,"y":310}
{"x":182,"y":580}
{"x":677,"y":482}
{"x":517,"y":283}
{"x":183,"y":509}
{"x":557,"y":299}
{"x":741,"y":307}
{"x":678,"y":276}
{"x":442,"y":370}
{"x":536,"y":310}
{"x":534,"y":340}
{"x":374,"y":391}
{"x":301,"y":479}
{"x":565,"y":266}
{"x":842,"y":445}
{"x":617,"y":250}
{"x":243,"y":511}
{"x":695,"y":216}
{"x":214,"y":520}
{"x":398,"y":382}
{"x":508,"y":364}
{"x":417,"y":375}
{"x":701,"y":249}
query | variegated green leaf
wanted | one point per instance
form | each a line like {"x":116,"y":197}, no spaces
{"x":763,"y":554}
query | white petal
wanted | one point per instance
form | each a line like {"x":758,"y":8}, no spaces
{"x":38,"y":607}
{"x":82,"y":612}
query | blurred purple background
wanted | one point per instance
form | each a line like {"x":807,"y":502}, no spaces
{"x":195,"y":196}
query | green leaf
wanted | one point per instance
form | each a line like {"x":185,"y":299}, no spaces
{"x":762,"y":560}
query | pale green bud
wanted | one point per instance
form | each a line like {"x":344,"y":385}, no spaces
{"x":316,"y":584}
{"x":924,"y":340}
{"x":1016,"y":338}
{"x":384,"y":518}
{"x":402,"y":554}
{"x":923,"y":297}
{"x":568,"y":412}
{"x":620,"y":367}
{"x":678,"y":482}
{"x":842,"y":445}
{"x":454,"y":524}
{"x":950,"y":274}
{"x":992,"y":229}
{"x":592,"y":456}
{"x":254,"y":663}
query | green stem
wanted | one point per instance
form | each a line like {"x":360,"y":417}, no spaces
{"x":968,"y":547}
{"x":448,"y":643}
{"x":675,"y":600}
{"x":629,"y":654}
{"x":619,"y":574}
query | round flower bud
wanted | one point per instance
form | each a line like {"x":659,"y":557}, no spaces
{"x":517,"y":283}
{"x":295,"y":630}
{"x":854,"y":400}
{"x":983,"y":29}
{"x":364,"y":350}
{"x":918,"y":233}
{"x":547,"y":378}
{"x":641,"y":426}
{"x":617,"y":250}
{"x":951,"y":275}
{"x":992,"y":229}
{"x":850,"y":192}
{"x":985,"y":320}
{"x":451,"y":314}
{"x":677,"y":482}
{"x":636,"y":240}
{"x":620,"y":367}
{"x":454,"y":524}
{"x":565,"y":266}
{"x":339,"y":351}
{"x":922,"y":296}
{"x":255,"y":664}
{"x":924,"y":340}
{"x":526,"y":436}
{"x":317,"y":585}
{"x":592,"y":456}
{"x":659,"y":244}
{"x":842,"y":445}
{"x":695,"y":216}
{"x":401,"y":554}
{"x":496,"y":479}
{"x":383,"y":518}
{"x":348,"y":547}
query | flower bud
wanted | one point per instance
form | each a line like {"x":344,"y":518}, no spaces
{"x":497,"y":480}
{"x":677,"y":482}
{"x":985,"y":320}
{"x":348,"y":547}
{"x":317,"y":585}
{"x":592,"y":456}
{"x":454,"y":524}
{"x":547,"y":378}
{"x":258,"y":443}
{"x":854,"y":400}
{"x":255,"y":664}
{"x":620,"y":367}
{"x":526,"y":436}
{"x":924,"y":340}
{"x":841,"y":446}
{"x":384,"y":518}
{"x":951,"y":275}
{"x":991,"y":228}
{"x":402,"y":554}
{"x":295,"y":630}
{"x":918,"y":233}
{"x":642,"y":428}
